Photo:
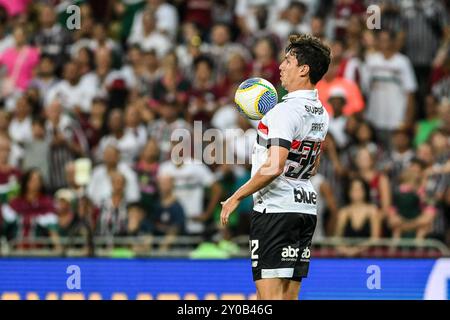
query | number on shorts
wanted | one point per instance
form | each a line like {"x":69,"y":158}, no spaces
{"x":254,"y":245}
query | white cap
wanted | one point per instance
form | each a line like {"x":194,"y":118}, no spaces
{"x":337,"y":92}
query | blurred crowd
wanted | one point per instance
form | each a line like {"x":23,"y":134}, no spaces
{"x":115,"y":89}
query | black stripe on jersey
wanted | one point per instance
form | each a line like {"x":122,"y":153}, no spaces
{"x":279,"y":142}
{"x":294,"y":157}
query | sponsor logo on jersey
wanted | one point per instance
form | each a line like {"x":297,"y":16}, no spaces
{"x":301,"y":196}
{"x":317,"y":126}
{"x":314,"y":110}
{"x":289,"y":254}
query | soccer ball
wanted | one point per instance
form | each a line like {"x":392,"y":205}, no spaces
{"x":255,"y":97}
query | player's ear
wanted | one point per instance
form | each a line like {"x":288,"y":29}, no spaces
{"x":303,"y":70}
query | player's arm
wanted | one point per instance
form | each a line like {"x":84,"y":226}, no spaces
{"x":272,"y":168}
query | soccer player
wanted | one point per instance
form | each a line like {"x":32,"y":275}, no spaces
{"x":285,"y":156}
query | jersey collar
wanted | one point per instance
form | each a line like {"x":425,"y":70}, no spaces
{"x":305,"y":94}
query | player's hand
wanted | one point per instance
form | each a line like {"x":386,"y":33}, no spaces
{"x":228,"y":207}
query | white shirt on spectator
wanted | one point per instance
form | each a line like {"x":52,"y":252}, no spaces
{"x":20,"y":131}
{"x":245,"y":9}
{"x":153,"y":41}
{"x":388,"y":83}
{"x":140,"y":133}
{"x":99,"y":188}
{"x":190,"y":180}
{"x":283,"y":28}
{"x":128,"y":145}
{"x":71,"y":96}
{"x":166,"y":20}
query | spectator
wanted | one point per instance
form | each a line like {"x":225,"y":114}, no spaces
{"x":20,"y":125}
{"x":359,"y":218}
{"x":222,"y":48}
{"x":101,"y":41}
{"x":390,"y":85}
{"x":380,"y":190}
{"x":264,"y":64}
{"x":400,"y":156}
{"x":138,"y":75}
{"x":70,"y":225}
{"x":172,"y":86}
{"x":151,"y":38}
{"x":190,"y":47}
{"x":246,"y":12}
{"x":125,"y":140}
{"x":9,"y":175}
{"x":431,"y":122}
{"x":294,"y":21}
{"x":168,"y":219}
{"x":411,"y":217}
{"x":236,"y":72}
{"x":45,"y":77}
{"x":19,"y":62}
{"x":147,"y":171}
{"x":6,"y":39}
{"x":162,"y":129}
{"x":337,"y":126}
{"x":166,"y":18}
{"x":363,"y":137}
{"x":5,"y":119}
{"x":114,"y":208}
{"x":67,"y":142}
{"x":32,"y":213}
{"x":134,"y":125}
{"x":190,"y":180}
{"x":84,"y":58}
{"x":332,"y":80}
{"x":100,"y":186}
{"x":423,"y":25}
{"x":74,"y":92}
{"x":106,"y":80}
{"x":37,"y":150}
{"x":203,"y":93}
{"x":94,"y":125}
{"x":52,"y":39}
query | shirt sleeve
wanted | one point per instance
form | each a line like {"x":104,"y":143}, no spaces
{"x":206,"y":176}
{"x":408,"y":77}
{"x":282,"y":127}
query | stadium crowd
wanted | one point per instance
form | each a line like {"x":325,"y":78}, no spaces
{"x":116,"y":88}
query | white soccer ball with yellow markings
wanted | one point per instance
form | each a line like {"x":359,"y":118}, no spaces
{"x":255,"y":97}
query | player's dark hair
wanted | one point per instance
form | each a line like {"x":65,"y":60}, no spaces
{"x":311,"y":51}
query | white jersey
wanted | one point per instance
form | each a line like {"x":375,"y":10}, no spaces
{"x":298,"y":123}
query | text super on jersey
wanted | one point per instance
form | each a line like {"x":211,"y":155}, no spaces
{"x":298,"y":123}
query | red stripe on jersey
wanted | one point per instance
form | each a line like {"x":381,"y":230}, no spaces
{"x":263,"y":128}
{"x":295,"y":144}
